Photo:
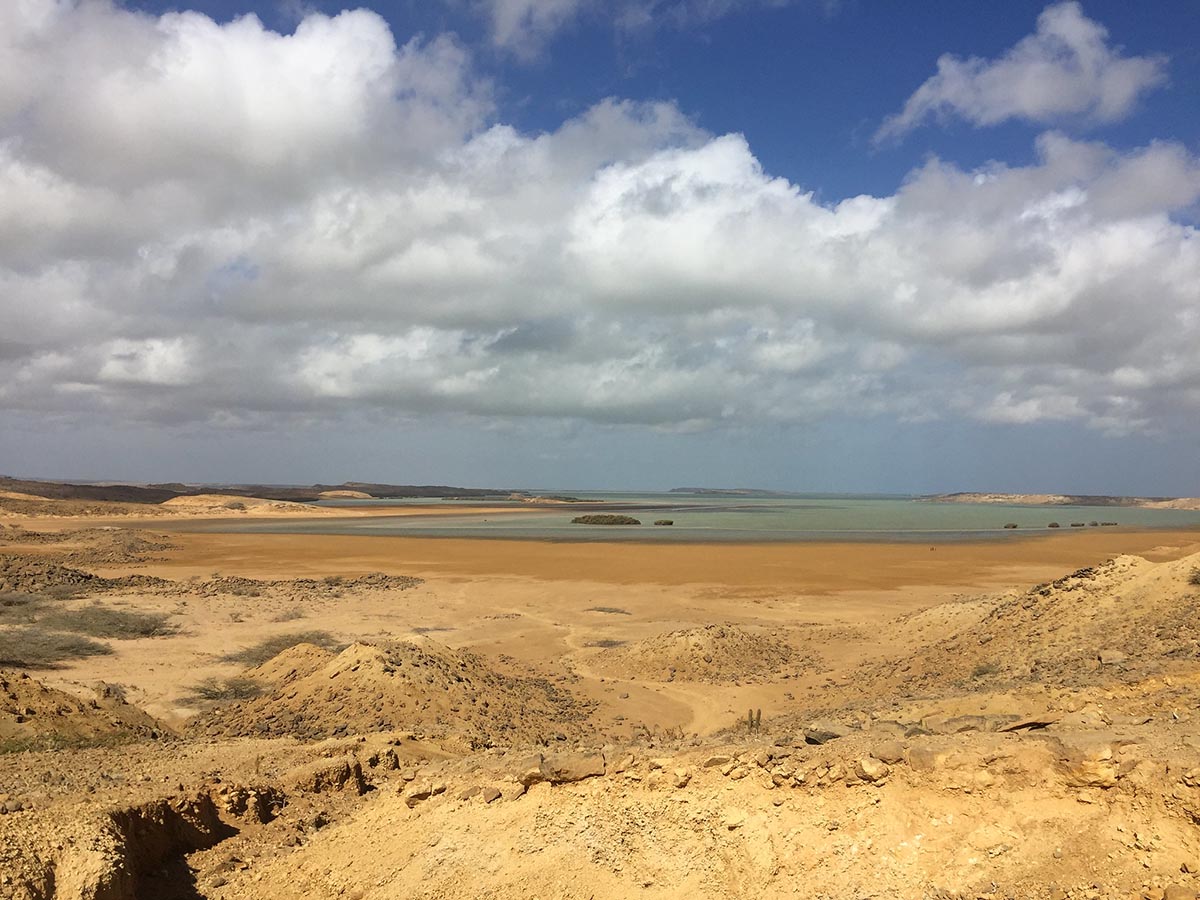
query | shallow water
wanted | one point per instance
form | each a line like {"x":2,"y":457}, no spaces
{"x":700,"y":517}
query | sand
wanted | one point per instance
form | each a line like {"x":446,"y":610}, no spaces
{"x":660,"y":649}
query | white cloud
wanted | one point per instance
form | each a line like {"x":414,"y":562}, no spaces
{"x":523,"y":26}
{"x":404,"y":254}
{"x":1066,"y":70}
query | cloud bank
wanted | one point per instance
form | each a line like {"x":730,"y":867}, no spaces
{"x":224,"y":225}
{"x":1065,"y":70}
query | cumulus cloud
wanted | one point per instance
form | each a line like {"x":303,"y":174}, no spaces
{"x":401,"y":252}
{"x":1066,"y":69}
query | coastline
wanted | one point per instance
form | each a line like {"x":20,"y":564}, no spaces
{"x":819,"y":567}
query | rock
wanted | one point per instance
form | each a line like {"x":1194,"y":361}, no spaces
{"x":823,"y":732}
{"x":871,"y":769}
{"x":327,"y":775}
{"x":1179,"y":892}
{"x":928,"y":759}
{"x":490,"y":795}
{"x":734,"y":819}
{"x":421,"y":790}
{"x":960,"y":724}
{"x":1024,"y":723}
{"x":718,"y":760}
{"x":620,"y":765}
{"x":682,"y":777}
{"x":1091,"y":768}
{"x":1112,"y":657}
{"x":512,"y":790}
{"x":530,"y":770}
{"x":888,"y":751}
{"x":564,"y":768}
{"x":469,"y":793}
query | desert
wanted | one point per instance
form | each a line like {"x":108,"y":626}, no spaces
{"x":228,"y":715}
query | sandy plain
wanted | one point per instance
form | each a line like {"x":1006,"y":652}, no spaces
{"x":661,"y":649}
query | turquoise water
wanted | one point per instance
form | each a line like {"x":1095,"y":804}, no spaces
{"x":739,"y":518}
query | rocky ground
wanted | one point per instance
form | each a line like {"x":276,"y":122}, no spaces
{"x":1040,"y":742}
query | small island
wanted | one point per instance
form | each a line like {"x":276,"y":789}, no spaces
{"x":605,"y":519}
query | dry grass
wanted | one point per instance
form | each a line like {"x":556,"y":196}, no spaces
{"x":273,"y":646}
{"x":35,"y":647}
{"x":106,"y":622}
{"x":18,"y":607}
{"x":224,"y":690}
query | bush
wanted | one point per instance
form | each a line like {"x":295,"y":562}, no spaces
{"x":18,"y":607}
{"x":224,"y":690}
{"x":1195,"y":577}
{"x":605,"y":519}
{"x":984,"y":669}
{"x":273,"y":646}
{"x":33,"y":647}
{"x":105,"y":622}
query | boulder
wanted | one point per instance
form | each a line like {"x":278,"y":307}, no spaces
{"x":564,"y":768}
{"x":421,"y":790}
{"x":530,"y":770}
{"x":327,"y":775}
{"x":888,"y":752}
{"x":871,"y":769}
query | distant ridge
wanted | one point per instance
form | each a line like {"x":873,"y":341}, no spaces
{"x":159,"y":493}
{"x":1046,"y":499}
{"x":733,"y":492}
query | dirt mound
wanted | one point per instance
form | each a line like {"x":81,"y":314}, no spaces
{"x":420,"y":686}
{"x":37,"y":576}
{"x":33,"y":715}
{"x":1125,"y":620}
{"x":712,"y":654}
{"x":333,"y":586}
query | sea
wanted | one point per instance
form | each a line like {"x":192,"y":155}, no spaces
{"x":703,"y":517}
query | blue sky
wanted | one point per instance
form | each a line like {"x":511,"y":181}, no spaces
{"x":565,"y":243}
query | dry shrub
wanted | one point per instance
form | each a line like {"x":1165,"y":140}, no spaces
{"x":106,"y":622}
{"x":273,"y":646}
{"x":35,"y":647}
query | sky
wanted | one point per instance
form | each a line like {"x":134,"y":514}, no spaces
{"x":812,"y":245}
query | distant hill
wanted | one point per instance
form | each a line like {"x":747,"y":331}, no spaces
{"x":1045,"y":499}
{"x":732,"y":492}
{"x":158,"y":493}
